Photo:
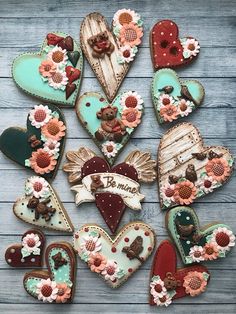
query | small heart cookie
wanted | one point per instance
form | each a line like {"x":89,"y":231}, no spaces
{"x":111,"y":188}
{"x":41,"y":206}
{"x":167,"y":49}
{"x":29,"y":253}
{"x":115,"y":260}
{"x":40,"y":146}
{"x":57,"y":284}
{"x":169,"y":282}
{"x":110,"y":124}
{"x":187,"y":169}
{"x":174,"y":98}
{"x":111,"y":52}
{"x":49,"y":73}
{"x":197,"y":244}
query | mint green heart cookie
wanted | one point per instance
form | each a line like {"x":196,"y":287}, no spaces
{"x":54,"y":73}
{"x":173,"y":98}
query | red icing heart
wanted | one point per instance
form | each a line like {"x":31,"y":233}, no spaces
{"x":166,"y":47}
{"x":111,"y":206}
{"x":53,"y":39}
{"x":13,"y":255}
{"x":165,"y":261}
{"x":72,"y":73}
{"x":67,"y":43}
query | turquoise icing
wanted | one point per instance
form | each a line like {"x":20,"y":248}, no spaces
{"x":31,"y":285}
{"x":62,"y":274}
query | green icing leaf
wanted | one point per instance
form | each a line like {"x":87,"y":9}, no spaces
{"x":93,"y":233}
{"x":118,"y":146}
{"x":56,"y":155}
{"x":209,"y":238}
{"x":189,"y":260}
{"x":205,"y":276}
{"x":140,"y":22}
{"x":69,"y":283}
{"x":221,"y":254}
{"x":120,"y":60}
{"x":27,"y":163}
{"x":182,"y":179}
{"x":43,"y":138}
{"x":186,"y":54}
{"x":44,"y":79}
{"x":116,"y":31}
{"x":203,"y":174}
{"x":135,"y":49}
{"x":230,"y":162}
{"x":154,"y":278}
{"x":200,"y":193}
{"x":166,"y":203}
{"x":84,"y":257}
{"x":55,"y":114}
{"x":129,"y":130}
{"x":120,"y":273}
{"x":171,"y":293}
{"x":25,"y":252}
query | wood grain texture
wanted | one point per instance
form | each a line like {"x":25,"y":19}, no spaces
{"x":23,"y":27}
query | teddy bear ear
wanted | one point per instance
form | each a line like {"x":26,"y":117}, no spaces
{"x":99,"y":114}
{"x":115,"y":109}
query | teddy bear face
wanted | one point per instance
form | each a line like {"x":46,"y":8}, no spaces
{"x":108,"y":113}
{"x":95,"y":179}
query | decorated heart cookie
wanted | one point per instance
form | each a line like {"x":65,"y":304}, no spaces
{"x":57,"y":284}
{"x":196,"y":244}
{"x":115,"y":260}
{"x":168,"y":282}
{"x":187,"y":169}
{"x":174,"y":98}
{"x":110,"y":125}
{"x":41,"y":206}
{"x":111,"y":188}
{"x":29,"y":253}
{"x":40,"y":146}
{"x":167,"y":49}
{"x":111,"y":52}
{"x":54,"y":73}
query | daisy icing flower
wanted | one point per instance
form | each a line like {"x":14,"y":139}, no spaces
{"x":185,"y":192}
{"x":168,"y":191}
{"x":166,"y":300}
{"x":165,"y":100}
{"x":169,"y":113}
{"x":38,"y":187}
{"x":54,"y":130}
{"x":195,"y":283}
{"x":39,"y":116}
{"x":131,"y":100}
{"x":223,"y":238}
{"x":126,"y":54}
{"x":47,"y":68}
{"x":91,"y":244}
{"x":125,"y":16}
{"x":210,"y":251}
{"x":109,"y":149}
{"x":184,"y":108}
{"x":110,"y":271}
{"x":207,"y":184}
{"x":97,"y":262}
{"x":131,"y":117}
{"x":52,"y":147}
{"x":157,"y":288}
{"x":41,"y":162}
{"x":191,"y":47}
{"x":218,"y":169}
{"x":30,"y":245}
{"x":197,"y":253}
{"x":58,"y":80}
{"x":58,"y":56}
{"x":130,"y":35}
{"x":63,"y":294}
{"x":47,"y":290}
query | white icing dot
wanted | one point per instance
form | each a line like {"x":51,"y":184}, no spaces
{"x":179,"y":214}
{"x":174,"y":42}
{"x":102,"y":201}
{"x":9,"y":260}
{"x":95,"y":170}
{"x":178,"y":236}
{"x":110,"y":205}
{"x":171,"y":23}
{"x":12,"y":250}
{"x":103,"y":166}
{"x":168,"y":63}
{"x":109,"y":195}
{"x":118,"y":211}
{"x":155,"y":43}
{"x":162,"y":33}
{"x":94,"y":161}
{"x":179,"y":49}
{"x":188,"y":242}
{"x":60,"y":270}
{"x":164,"y":54}
{"x":32,"y":259}
{"x":125,"y":174}
{"x":153,"y":33}
{"x":60,"y":278}
{"x":155,"y":56}
{"x":22,"y":260}
{"x":171,"y":34}
{"x":110,"y":216}
{"x":181,"y":59}
{"x":87,"y":167}
{"x":187,"y":218}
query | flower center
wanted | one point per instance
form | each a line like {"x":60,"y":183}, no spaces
{"x":37,"y":186}
{"x":57,"y":77}
{"x":60,"y":292}
{"x":126,"y":53}
{"x":43,"y":160}
{"x":218,"y":169}
{"x":109,"y":148}
{"x":40,"y":115}
{"x":51,"y":146}
{"x":57,"y":56}
{"x":195,"y":283}
{"x":165,"y":101}
{"x":169,"y":111}
{"x":47,"y":67}
{"x":90,"y":245}
{"x":197,"y":254}
{"x":209,"y":251}
{"x":125,"y":18}
{"x":53,"y":128}
{"x":130,"y":34}
{"x":158,"y":288}
{"x":163,"y":299}
{"x":46,"y":290}
{"x":222,"y":239}
{"x":169,"y":192}
{"x":183,"y":107}
{"x":131,"y":102}
{"x":97,"y":262}
{"x":185,"y":192}
{"x":31,"y":243}
{"x":207,"y":184}
{"x":131,"y":117}
{"x":191,"y":47}
{"x":110,"y":270}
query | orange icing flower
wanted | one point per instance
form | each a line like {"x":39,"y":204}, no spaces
{"x":169,"y":113}
{"x":54,"y":129}
{"x":218,"y":169}
{"x":42,"y":162}
{"x":194,"y":283}
{"x":63,"y":294}
{"x":131,"y":117}
{"x":185,"y":192}
{"x":130,"y":34}
{"x":210,"y":251}
{"x":47,"y":68}
{"x":97,"y":262}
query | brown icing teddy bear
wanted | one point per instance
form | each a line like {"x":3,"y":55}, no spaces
{"x":111,"y":128}
{"x":96,"y":183}
{"x":101,"y":45}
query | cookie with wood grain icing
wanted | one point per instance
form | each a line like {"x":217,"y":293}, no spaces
{"x":188,"y":170}
{"x":174,"y":98}
{"x":114,"y":259}
{"x":52,"y":74}
{"x":167,"y":49}
{"x":110,"y":124}
{"x":110,"y":52}
{"x":40,"y":145}
{"x":112,"y":189}
{"x":169,"y":282}
{"x":57,"y":283}
{"x":40,"y":206}
{"x":28,"y":253}
{"x":198,"y":244}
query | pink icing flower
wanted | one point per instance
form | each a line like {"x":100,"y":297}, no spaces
{"x":63,"y":294}
{"x":194,"y":283}
{"x":47,"y":68}
{"x":110,"y":271}
{"x":97,"y":262}
{"x":47,"y":290}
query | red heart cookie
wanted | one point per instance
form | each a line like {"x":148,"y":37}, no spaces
{"x":111,"y":188}
{"x":168,"y":282}
{"x":167,"y":49}
{"x":29,"y":253}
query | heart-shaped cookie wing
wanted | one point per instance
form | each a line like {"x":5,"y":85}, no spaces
{"x":167,"y":49}
{"x":29,"y":253}
{"x":110,"y":125}
{"x":187,"y":169}
{"x":58,"y":283}
{"x":111,"y":52}
{"x":115,"y":260}
{"x":168,"y":282}
{"x":40,"y":146}
{"x":197,"y":244}
{"x":45,"y":75}
{"x":42,"y":207}
{"x":174,"y":98}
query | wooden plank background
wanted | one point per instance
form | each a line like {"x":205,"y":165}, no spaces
{"x":22,"y":28}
